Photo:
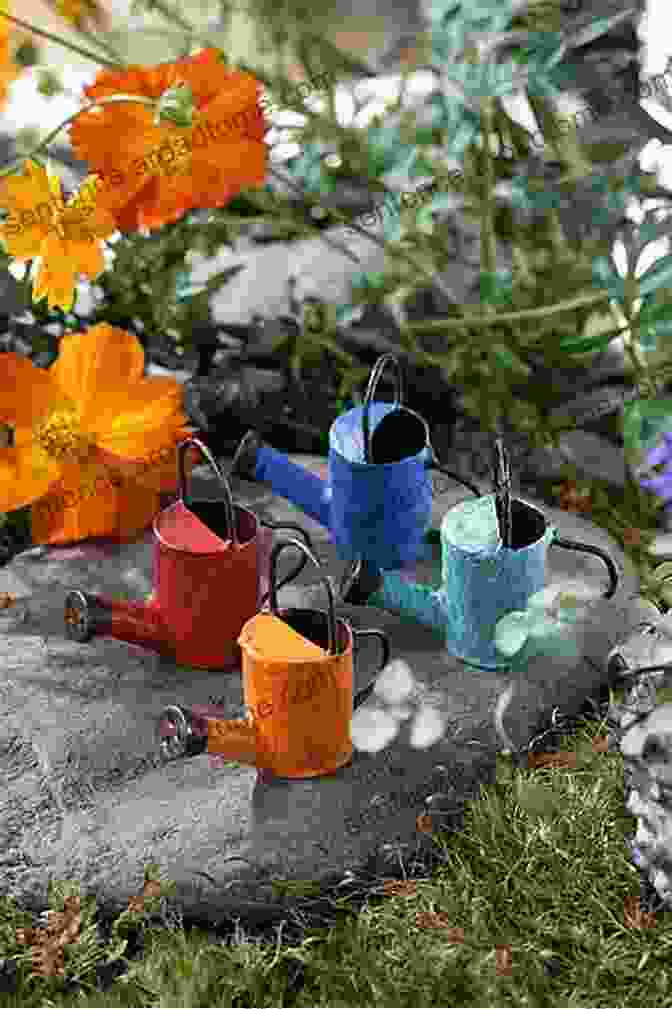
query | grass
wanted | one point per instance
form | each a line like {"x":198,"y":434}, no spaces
{"x":533,"y":903}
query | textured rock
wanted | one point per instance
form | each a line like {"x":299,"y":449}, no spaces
{"x":85,"y":795}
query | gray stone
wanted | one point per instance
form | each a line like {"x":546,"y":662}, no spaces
{"x":85,"y":795}
{"x":594,"y":456}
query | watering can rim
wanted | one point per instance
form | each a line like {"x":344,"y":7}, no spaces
{"x":426,"y":448}
{"x":309,"y":660}
{"x":226,"y":545}
{"x":550,"y":529}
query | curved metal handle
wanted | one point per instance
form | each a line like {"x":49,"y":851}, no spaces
{"x":364,"y":694}
{"x":229,"y":510}
{"x":560,"y":541}
{"x":302,"y":563}
{"x":273,"y":591}
{"x":433,"y":464}
{"x":374,"y":377}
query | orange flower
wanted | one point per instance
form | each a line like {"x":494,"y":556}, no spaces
{"x":61,"y":236}
{"x":572,"y":499}
{"x":83,"y":433}
{"x":162,"y":170}
{"x":9,"y":70}
{"x":79,"y":12}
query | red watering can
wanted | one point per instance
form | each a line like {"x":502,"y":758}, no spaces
{"x":206,"y":581}
{"x":298,"y":686}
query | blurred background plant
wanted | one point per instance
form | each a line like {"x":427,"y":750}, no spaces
{"x":547,"y":196}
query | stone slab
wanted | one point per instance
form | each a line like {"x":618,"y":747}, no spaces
{"x":85,"y":795}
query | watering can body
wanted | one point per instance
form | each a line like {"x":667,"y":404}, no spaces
{"x":298,"y":687}
{"x":208,"y":556}
{"x":377,"y":503}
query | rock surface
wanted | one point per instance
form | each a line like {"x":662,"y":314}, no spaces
{"x":85,"y":795}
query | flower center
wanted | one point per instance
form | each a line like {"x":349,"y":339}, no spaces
{"x":60,"y":437}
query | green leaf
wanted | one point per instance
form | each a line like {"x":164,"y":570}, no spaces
{"x":644,"y":420}
{"x":660,"y":574}
{"x":658,"y":275}
{"x":508,"y":359}
{"x":346,"y":314}
{"x":585,"y":344}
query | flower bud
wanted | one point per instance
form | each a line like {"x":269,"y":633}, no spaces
{"x":176,"y":105}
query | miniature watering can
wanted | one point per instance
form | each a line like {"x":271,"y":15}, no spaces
{"x":378,"y":501}
{"x":298,"y":687}
{"x":483,"y":580}
{"x":206,"y":581}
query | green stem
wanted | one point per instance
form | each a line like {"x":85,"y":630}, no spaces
{"x":62,"y":42}
{"x":488,"y":247}
{"x":564,"y":145}
{"x":112,"y":99}
{"x":171,"y":14}
{"x":644,"y":381}
{"x":107,"y":46}
{"x":444,"y":325}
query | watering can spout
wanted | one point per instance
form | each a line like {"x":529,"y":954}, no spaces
{"x":233,"y":739}
{"x":136,"y":622}
{"x":187,"y":732}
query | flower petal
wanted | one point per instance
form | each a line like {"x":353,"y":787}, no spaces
{"x":161,"y":170}
{"x":124,"y":420}
{"x":98,"y":361}
{"x":56,"y":275}
{"x":26,"y":392}
{"x":26,"y":474}
{"x":157,"y":470}
{"x":84,"y":509}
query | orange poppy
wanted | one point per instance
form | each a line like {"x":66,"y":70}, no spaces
{"x":9,"y":69}
{"x":62,"y":237}
{"x":198,"y":146}
{"x":82,"y":13}
{"x":93,"y":440}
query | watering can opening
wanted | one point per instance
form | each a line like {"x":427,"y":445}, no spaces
{"x":314,"y":626}
{"x":528,"y":524}
{"x":401,"y":434}
{"x":202,"y":527}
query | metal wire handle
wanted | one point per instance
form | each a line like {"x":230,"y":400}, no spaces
{"x":302,"y":562}
{"x":273,"y":590}
{"x":229,"y":510}
{"x":374,"y":378}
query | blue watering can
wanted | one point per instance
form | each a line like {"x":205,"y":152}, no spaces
{"x":377,"y":502}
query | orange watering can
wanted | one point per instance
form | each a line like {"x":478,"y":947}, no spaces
{"x":206,"y":581}
{"x":298,"y":687}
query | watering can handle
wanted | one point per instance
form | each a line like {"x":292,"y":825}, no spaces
{"x":433,"y":464}
{"x":229,"y":510}
{"x":374,"y":377}
{"x":302,"y":563}
{"x":273,"y":590}
{"x":560,"y":541}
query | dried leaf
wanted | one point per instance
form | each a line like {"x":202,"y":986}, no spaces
{"x":6,"y":600}
{"x":601,"y":744}
{"x":632,"y":537}
{"x":424,"y":824}
{"x":503,"y":960}
{"x":559,"y":758}
{"x":438,"y":919}
{"x":48,"y":961}
{"x":400,"y":888}
{"x":635,"y":916}
{"x":151,"y":888}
